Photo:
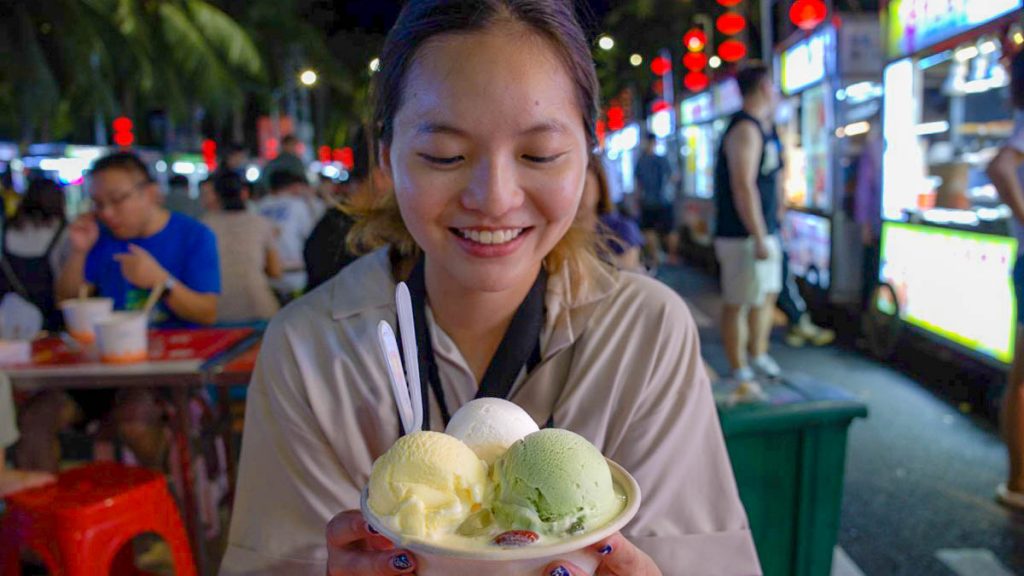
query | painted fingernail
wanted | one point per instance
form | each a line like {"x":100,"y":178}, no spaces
{"x":371,"y":529}
{"x":402,"y":562}
{"x":559,"y":571}
{"x":605,"y":550}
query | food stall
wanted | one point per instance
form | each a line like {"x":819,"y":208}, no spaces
{"x":946,"y":249}
{"x":829,"y":80}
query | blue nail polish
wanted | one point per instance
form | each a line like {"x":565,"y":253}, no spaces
{"x":605,"y":550}
{"x":560,"y":571}
{"x":402,"y":562}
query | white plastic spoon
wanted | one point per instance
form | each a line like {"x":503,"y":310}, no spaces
{"x":393,"y":360}
{"x":407,"y":325}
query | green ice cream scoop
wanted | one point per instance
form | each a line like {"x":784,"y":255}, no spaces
{"x":554,"y":482}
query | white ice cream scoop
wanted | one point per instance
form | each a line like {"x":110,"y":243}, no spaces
{"x":489,"y":426}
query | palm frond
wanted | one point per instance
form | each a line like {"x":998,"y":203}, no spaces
{"x":227,"y":37}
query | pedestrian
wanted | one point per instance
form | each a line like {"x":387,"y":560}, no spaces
{"x":327,"y":250}
{"x":35,"y":245}
{"x":487,"y":149}
{"x":748,"y":201}
{"x":248,"y":256}
{"x":1005,"y":172}
{"x":286,"y":207}
{"x":657,"y":209}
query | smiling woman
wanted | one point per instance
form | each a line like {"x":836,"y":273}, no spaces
{"x":485,"y":112}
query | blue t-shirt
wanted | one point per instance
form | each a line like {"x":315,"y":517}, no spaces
{"x":186,"y":248}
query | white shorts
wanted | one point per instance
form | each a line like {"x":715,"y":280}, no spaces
{"x":745,"y":279}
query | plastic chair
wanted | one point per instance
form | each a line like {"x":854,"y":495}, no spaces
{"x":84,"y":523}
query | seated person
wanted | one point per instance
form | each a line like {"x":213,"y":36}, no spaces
{"x":12,"y":481}
{"x":129,"y":245}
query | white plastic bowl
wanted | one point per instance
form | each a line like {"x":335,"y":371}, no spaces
{"x":435,"y":560}
{"x":123,"y":338}
{"x":82,"y":314}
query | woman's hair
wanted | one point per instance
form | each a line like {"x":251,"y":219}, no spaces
{"x":43,"y":203}
{"x":604,"y":194}
{"x":1017,"y":80}
{"x":422,"y":21}
{"x":229,"y":188}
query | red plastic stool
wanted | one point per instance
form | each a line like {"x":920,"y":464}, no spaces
{"x":81,"y":525}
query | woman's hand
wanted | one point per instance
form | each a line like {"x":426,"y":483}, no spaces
{"x":617,"y":557}
{"x":354,"y":549}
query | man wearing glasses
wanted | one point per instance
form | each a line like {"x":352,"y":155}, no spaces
{"x":126,"y":247}
{"x":130,"y":245}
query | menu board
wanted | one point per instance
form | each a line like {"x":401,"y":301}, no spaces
{"x":953,"y":284}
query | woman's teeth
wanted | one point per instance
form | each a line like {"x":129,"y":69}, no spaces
{"x":491,"y":236}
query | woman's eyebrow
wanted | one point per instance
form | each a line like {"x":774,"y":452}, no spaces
{"x":544,"y":126}
{"x":438,"y":128}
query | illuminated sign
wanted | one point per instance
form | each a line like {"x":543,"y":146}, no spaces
{"x":914,"y":25}
{"x":806,"y":62}
{"x":696,"y":109}
{"x":727,"y":97}
{"x":953,"y":284}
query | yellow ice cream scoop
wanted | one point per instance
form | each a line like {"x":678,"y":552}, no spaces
{"x":426,"y":484}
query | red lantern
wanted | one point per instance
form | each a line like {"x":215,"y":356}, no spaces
{"x":346,"y":157}
{"x":696,"y":81}
{"x":695,"y":40}
{"x":695,"y":61}
{"x":323,"y":153}
{"x":658,"y":87}
{"x":616,"y":118}
{"x":731,"y":23}
{"x":123,"y":135}
{"x":601,"y":130}
{"x":659,"y":106}
{"x":661,"y":65}
{"x":209,"y":148}
{"x":729,"y":3}
{"x":732,"y":50}
{"x":808,"y":14}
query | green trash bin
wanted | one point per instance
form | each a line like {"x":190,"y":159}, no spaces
{"x":789,"y":455}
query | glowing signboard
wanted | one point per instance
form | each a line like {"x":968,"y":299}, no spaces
{"x":696,"y":109}
{"x":806,"y":62}
{"x":914,"y":25}
{"x":952,"y":283}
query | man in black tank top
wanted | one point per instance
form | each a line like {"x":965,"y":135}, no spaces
{"x":747,"y":244}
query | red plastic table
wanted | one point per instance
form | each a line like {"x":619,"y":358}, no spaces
{"x":179,"y":360}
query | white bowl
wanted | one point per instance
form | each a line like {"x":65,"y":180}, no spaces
{"x":82,"y":314}
{"x":123,"y":338}
{"x":433,"y":559}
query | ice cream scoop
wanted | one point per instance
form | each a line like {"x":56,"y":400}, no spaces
{"x":427,"y":484}
{"x":554,"y":482}
{"x":490,"y":425}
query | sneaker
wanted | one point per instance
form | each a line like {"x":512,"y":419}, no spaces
{"x":744,"y":374}
{"x":794,"y":339}
{"x":1010,"y":498}
{"x":813,"y":333}
{"x":766,"y":366}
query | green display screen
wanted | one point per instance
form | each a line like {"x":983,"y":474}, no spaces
{"x":952,"y":283}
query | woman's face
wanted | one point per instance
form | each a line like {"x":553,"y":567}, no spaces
{"x":488,"y":155}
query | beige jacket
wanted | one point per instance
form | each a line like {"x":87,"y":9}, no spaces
{"x":621,"y":366}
